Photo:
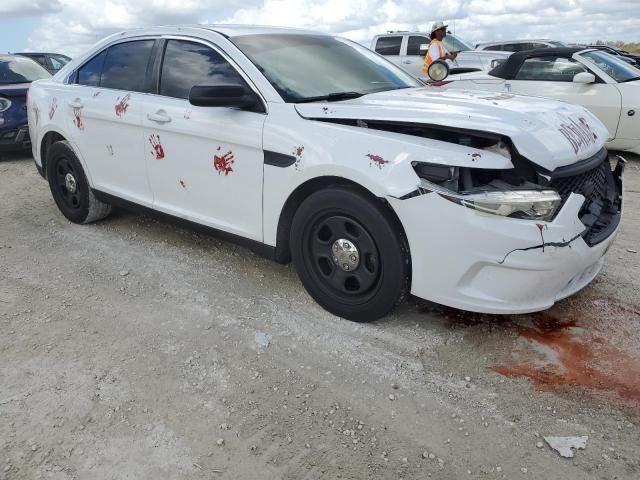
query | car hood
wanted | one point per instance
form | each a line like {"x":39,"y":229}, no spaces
{"x":551,"y":134}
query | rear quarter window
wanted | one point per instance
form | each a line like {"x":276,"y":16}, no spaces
{"x":89,"y":73}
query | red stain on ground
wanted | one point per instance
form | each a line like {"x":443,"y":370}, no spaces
{"x":53,"y":108}
{"x":377,"y":160}
{"x":223,"y":163}
{"x":122,"y":105}
{"x":576,"y":359}
{"x":157,"y":151}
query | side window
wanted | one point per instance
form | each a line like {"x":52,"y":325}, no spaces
{"x":499,"y":48}
{"x":56,"y":63}
{"x":534,"y":45}
{"x":187,"y":64}
{"x":515,"y":47}
{"x":89,"y":73}
{"x":413,"y":47}
{"x":549,"y":69}
{"x":389,"y":45}
{"x":125,"y":66}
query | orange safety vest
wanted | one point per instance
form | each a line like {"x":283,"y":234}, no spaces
{"x":428,"y":60}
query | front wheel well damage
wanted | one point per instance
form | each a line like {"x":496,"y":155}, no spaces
{"x":49,"y":139}
{"x":295,"y":199}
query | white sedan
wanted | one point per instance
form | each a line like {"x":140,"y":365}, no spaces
{"x":311,"y":148}
{"x":607,"y":86}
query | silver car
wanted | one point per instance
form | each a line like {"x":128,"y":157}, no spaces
{"x":408,"y":49}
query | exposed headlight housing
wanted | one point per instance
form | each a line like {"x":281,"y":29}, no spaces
{"x":525,"y":204}
{"x":5,"y":104}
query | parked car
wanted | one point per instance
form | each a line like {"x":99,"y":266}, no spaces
{"x":52,"y":62}
{"x":16,"y":73}
{"x":310,"y":147}
{"x":408,"y":50}
{"x":600,"y":82}
{"x":632,"y":58}
{"x":520,"y":45}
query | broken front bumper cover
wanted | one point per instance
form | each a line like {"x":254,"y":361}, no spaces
{"x":485,"y":263}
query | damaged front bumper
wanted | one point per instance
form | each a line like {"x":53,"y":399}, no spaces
{"x":485,"y":263}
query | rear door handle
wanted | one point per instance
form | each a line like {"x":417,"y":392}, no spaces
{"x":76,"y":103}
{"x":159,"y":117}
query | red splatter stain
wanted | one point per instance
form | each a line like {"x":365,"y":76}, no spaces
{"x":438,"y":84}
{"x":158,"y":151}
{"x":53,"y":108}
{"x":122,"y":105}
{"x":377,"y":160}
{"x":182,"y":184}
{"x":110,"y":150}
{"x":223,"y":163}
{"x":77,"y":116}
{"x":475,"y":156}
{"x":96,"y":94}
{"x":298,"y":151}
{"x":582,"y":360}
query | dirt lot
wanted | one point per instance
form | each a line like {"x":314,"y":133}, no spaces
{"x":134,"y":349}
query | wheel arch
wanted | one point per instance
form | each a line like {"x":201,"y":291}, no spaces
{"x":48,"y":139}
{"x":304,"y":190}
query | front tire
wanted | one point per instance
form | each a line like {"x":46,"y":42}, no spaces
{"x":350,"y":254}
{"x":70,"y":188}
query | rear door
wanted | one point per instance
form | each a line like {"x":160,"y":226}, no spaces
{"x":205,"y":164}
{"x":391,"y":47}
{"x":412,"y":61}
{"x":104,"y":111}
{"x":552,"y":77}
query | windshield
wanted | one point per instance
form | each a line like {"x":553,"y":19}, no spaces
{"x":619,"y":70}
{"x":559,"y":44}
{"x":308,"y":67}
{"x":20,"y":70}
{"x":456,"y":44}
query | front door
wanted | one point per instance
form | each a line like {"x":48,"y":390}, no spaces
{"x":205,"y":164}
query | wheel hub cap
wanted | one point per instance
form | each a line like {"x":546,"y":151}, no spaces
{"x":345,"y":255}
{"x":70,"y":183}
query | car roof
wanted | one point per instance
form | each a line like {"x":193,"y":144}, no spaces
{"x":518,"y":41}
{"x":509,"y":68}
{"x":27,"y":54}
{"x":242,"y":30}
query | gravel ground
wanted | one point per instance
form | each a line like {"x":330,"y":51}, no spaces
{"x":134,"y":349}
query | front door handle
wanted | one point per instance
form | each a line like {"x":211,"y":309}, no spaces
{"x":408,"y":62}
{"x":76,"y":104}
{"x":159,"y":117}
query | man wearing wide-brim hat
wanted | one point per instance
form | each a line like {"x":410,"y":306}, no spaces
{"x":436,"y":49}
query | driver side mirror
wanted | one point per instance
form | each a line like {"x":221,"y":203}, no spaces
{"x":584,"y":78}
{"x":424,"y":47}
{"x":224,"y":95}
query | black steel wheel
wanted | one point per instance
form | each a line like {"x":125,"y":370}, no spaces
{"x":350,"y":254}
{"x":69,"y":186}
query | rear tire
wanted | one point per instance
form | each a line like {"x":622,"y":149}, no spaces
{"x":70,"y":188}
{"x":350,"y":254}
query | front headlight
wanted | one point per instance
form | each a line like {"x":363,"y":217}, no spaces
{"x":525,"y":204}
{"x":5,"y":104}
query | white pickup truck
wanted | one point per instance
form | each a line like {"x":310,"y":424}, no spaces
{"x":407,"y":50}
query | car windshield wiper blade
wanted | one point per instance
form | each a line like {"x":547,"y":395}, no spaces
{"x":332,"y":97}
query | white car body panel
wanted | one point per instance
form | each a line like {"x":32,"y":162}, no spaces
{"x":533,"y":126}
{"x":120,"y":157}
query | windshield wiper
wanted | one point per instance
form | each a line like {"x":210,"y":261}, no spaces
{"x":332,"y":97}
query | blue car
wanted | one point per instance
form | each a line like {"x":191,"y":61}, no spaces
{"x":16,"y":73}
